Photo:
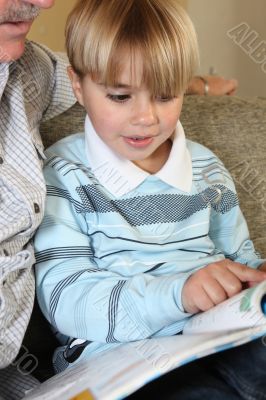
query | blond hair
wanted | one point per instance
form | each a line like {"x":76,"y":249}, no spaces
{"x":97,"y":31}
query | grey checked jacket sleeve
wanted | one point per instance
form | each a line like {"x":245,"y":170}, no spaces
{"x":34,"y":87}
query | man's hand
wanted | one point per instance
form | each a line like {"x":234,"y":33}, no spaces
{"x":216,"y":282}
{"x":218,"y":86}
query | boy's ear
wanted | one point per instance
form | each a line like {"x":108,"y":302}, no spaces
{"x":76,"y":84}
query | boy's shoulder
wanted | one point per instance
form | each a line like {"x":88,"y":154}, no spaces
{"x":199,"y":151}
{"x":71,"y":149}
{"x":207,"y":168}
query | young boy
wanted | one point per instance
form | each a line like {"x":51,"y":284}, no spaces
{"x":137,"y":234}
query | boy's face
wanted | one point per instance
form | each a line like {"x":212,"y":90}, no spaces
{"x":126,"y":117}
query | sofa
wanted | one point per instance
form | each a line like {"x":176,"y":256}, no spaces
{"x":232,"y":127}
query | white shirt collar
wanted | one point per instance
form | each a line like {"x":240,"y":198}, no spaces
{"x":120,"y":176}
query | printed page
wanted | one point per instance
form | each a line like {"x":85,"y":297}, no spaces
{"x":116,"y":373}
{"x":246,"y":309}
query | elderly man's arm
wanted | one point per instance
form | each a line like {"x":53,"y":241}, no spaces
{"x":212,"y":85}
{"x":36,"y":87}
{"x":17,"y":290}
{"x":59,"y":95}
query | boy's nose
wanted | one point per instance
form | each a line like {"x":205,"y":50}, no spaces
{"x":145,"y":114}
{"x":41,"y":3}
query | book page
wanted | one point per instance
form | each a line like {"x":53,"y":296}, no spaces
{"x":119,"y":372}
{"x":246,"y":309}
{"x":116,"y":373}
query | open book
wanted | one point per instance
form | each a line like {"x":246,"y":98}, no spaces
{"x":116,"y":373}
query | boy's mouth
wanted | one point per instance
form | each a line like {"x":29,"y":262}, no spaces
{"x":139,"y":137}
{"x":138,"y":141}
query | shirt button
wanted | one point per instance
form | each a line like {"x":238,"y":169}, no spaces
{"x":36,"y":208}
{"x":1,"y":160}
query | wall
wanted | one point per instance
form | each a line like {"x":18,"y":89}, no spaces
{"x":183,"y":3}
{"x":213,"y":20}
{"x":49,"y":26}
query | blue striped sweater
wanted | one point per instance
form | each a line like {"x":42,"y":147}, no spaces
{"x":111,"y":269}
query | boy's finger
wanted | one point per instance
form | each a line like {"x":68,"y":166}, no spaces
{"x":215,"y":291}
{"x":203,"y":301}
{"x":231,"y":283}
{"x":249,"y":284}
{"x":246,"y":274}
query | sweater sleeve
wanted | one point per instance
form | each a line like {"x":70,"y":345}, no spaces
{"x":80,"y":299}
{"x":228,"y":227}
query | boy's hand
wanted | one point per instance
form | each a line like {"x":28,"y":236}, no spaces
{"x":263,"y":267}
{"x":215,"y":283}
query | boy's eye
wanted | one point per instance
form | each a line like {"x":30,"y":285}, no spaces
{"x":164,"y":98}
{"x":119,"y":98}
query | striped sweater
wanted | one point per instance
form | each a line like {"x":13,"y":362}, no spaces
{"x":111,"y":269}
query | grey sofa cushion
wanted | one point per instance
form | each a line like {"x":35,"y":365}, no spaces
{"x":234,"y":128}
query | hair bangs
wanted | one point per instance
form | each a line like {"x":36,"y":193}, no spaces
{"x":101,"y":34}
